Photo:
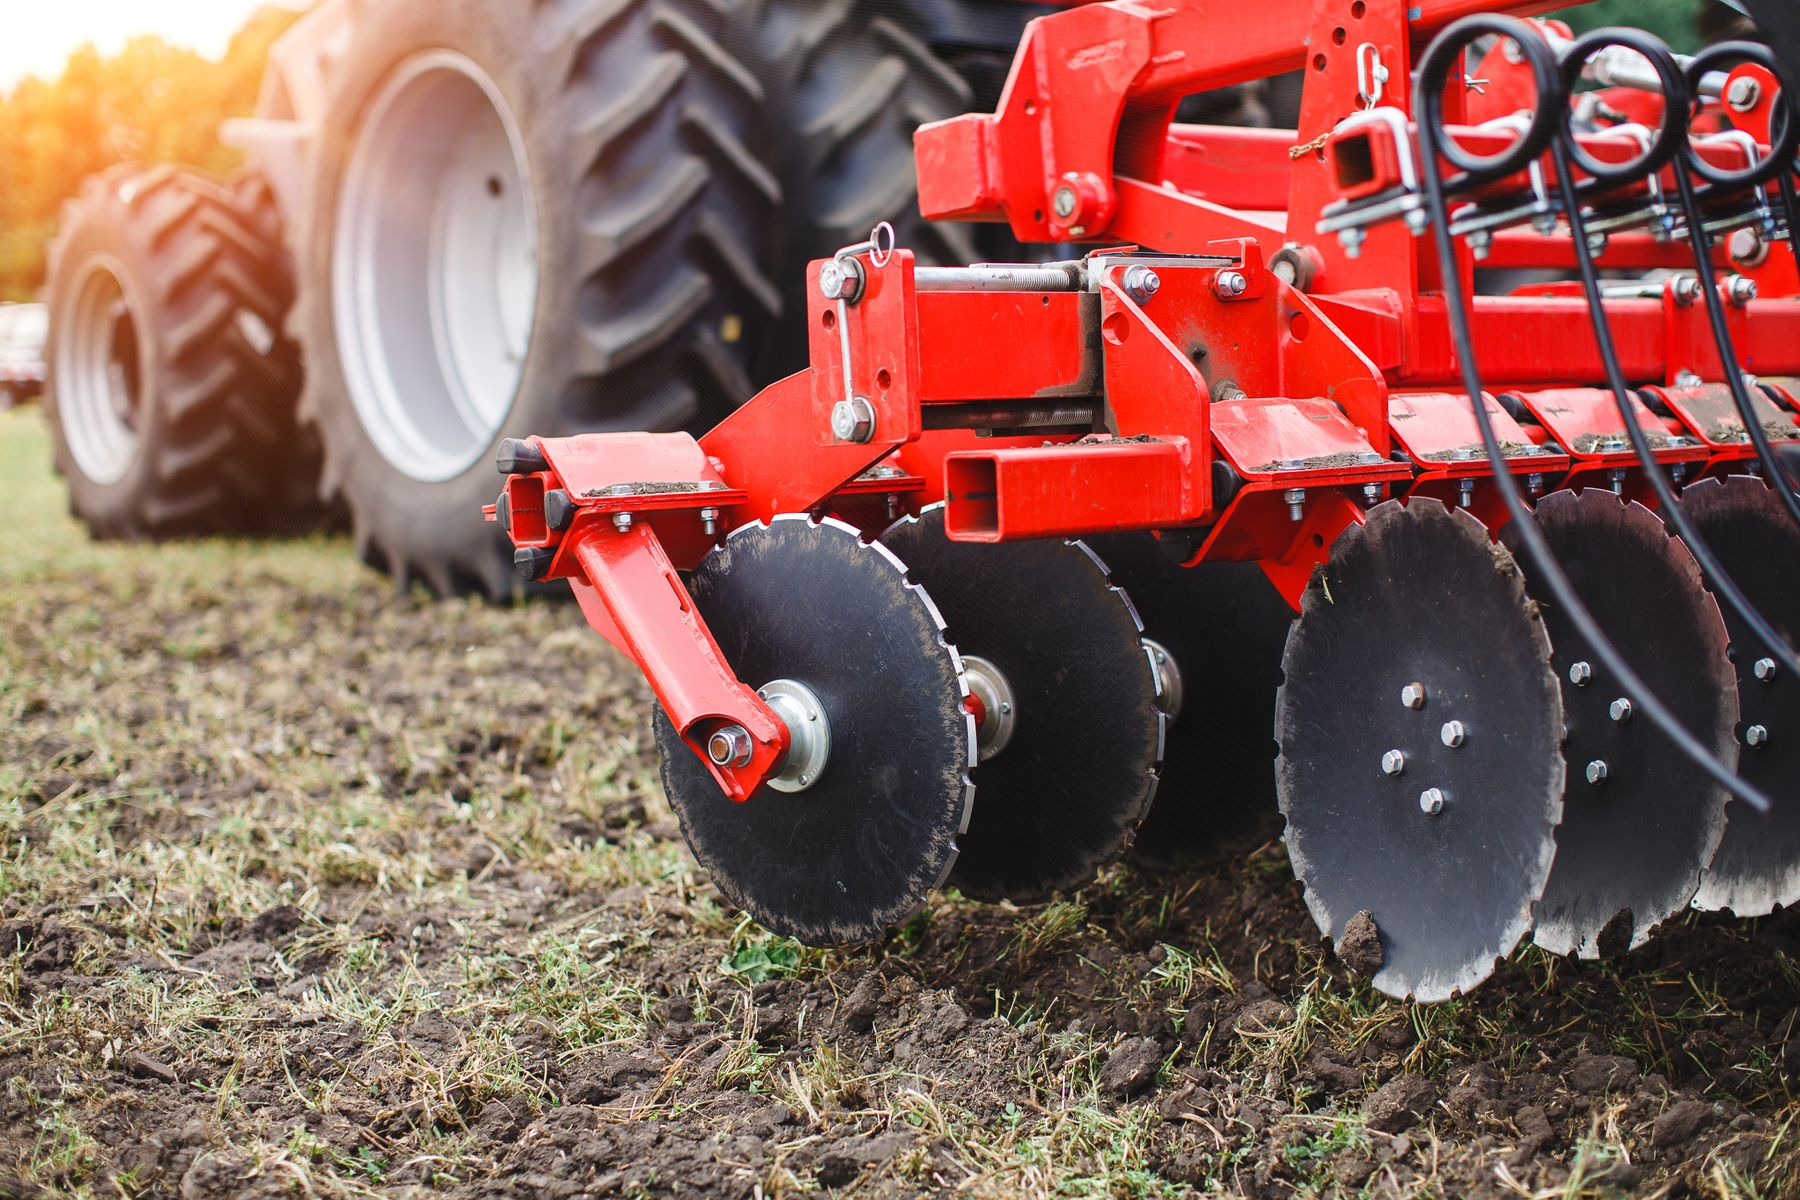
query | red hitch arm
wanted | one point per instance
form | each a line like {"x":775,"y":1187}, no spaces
{"x":605,"y":513}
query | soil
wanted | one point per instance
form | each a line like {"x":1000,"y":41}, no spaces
{"x":309,"y":888}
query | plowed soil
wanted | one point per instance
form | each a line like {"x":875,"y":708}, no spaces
{"x":312,"y":889}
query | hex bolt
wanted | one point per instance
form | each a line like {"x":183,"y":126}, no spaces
{"x":1453,"y":734}
{"x":1764,"y":669}
{"x":1141,"y":283}
{"x":1756,"y":735}
{"x":1743,"y":94}
{"x":1230,"y":284}
{"x":853,"y":420}
{"x":1678,"y":473}
{"x":1597,"y":243}
{"x":1063,"y":202}
{"x":1534,"y":482}
{"x":1620,"y":710}
{"x":1597,"y":772}
{"x":729,"y":746}
{"x":1431,"y":801}
{"x":1618,"y":481}
{"x":1580,"y":674}
{"x":1688,"y":379}
{"x":1352,"y":240}
{"x":1372,"y":493}
{"x":1685,"y":289}
{"x":1481,"y":243}
{"x":1413,"y":696}
{"x":622,"y":522}
{"x":1465,"y":488}
{"x":1393,"y":762}
{"x":1296,"y":502}
{"x":1740,"y":290}
{"x":709,"y":521}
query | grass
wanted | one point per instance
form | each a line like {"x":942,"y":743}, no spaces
{"x":314,"y":888}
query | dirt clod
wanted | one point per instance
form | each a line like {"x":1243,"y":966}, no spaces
{"x":1398,"y":1104}
{"x":1593,"y":1074}
{"x":1679,"y":1122}
{"x":1131,"y":1067}
{"x":1360,"y":947}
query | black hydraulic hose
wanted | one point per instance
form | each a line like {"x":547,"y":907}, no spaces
{"x":1434,"y":73}
{"x":1566,"y":154}
{"x":1785,"y":140}
{"x":1779,"y":481}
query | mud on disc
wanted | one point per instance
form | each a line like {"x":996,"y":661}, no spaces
{"x":1640,"y":820}
{"x":1757,"y":865}
{"x":1419,"y":620}
{"x":861,"y":848}
{"x":1225,"y":625}
{"x":1073,"y":782}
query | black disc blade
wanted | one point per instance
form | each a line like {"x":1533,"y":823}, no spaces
{"x":1070,"y":788}
{"x":1757,"y":866}
{"x":1640,"y":820}
{"x":1225,"y":625}
{"x":864,"y":845}
{"x":1419,"y":620}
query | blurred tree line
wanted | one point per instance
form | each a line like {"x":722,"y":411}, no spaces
{"x":153,"y":102}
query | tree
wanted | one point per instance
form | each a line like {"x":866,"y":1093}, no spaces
{"x":152,"y":102}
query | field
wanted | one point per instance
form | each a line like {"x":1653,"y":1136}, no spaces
{"x":312,"y":889}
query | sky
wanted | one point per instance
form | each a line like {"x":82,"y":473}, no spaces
{"x":37,"y":36}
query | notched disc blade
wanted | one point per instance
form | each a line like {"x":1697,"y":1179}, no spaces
{"x":1419,"y":595}
{"x":1631,"y":847}
{"x":1070,"y":788}
{"x":862,"y":848}
{"x":1757,"y":866}
{"x":1225,"y":625}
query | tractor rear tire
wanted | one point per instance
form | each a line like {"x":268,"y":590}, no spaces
{"x":848,"y":81}
{"x":171,"y":389}
{"x":521,"y":219}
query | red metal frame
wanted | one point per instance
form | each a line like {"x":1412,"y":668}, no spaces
{"x":1253,"y":398}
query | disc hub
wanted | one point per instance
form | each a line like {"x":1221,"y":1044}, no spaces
{"x":999,"y":707}
{"x":1168,"y":677}
{"x":809,"y":733}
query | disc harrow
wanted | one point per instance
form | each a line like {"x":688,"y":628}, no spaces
{"x":1260,"y":517}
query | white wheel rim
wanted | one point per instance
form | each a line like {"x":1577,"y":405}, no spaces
{"x":98,"y":373}
{"x":434,"y":266}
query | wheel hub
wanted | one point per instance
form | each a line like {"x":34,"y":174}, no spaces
{"x":809,"y":733}
{"x":98,"y":373}
{"x":999,"y":708}
{"x":434,"y":266}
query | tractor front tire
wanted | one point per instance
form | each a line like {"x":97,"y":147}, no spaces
{"x":171,"y":389}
